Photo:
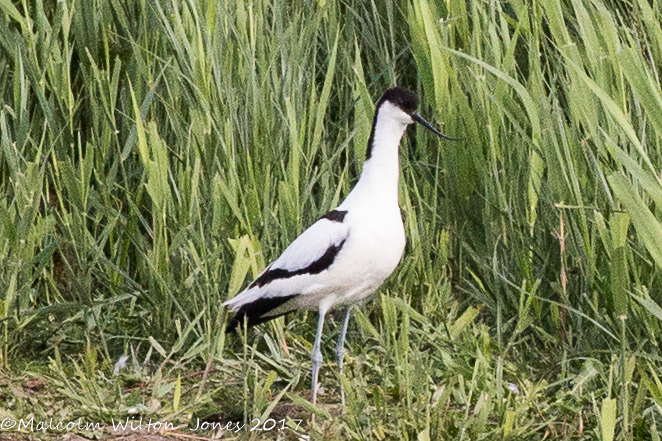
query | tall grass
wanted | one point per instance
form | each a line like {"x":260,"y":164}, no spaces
{"x":156,"y":155}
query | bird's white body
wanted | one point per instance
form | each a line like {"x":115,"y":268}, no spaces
{"x":348,"y":253}
{"x":372,"y":231}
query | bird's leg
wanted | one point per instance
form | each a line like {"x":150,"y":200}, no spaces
{"x":317,"y":356}
{"x":340,"y":350}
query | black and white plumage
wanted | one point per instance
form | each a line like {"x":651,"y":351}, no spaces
{"x":349,"y":252}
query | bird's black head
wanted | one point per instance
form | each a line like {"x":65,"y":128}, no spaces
{"x":403,"y":98}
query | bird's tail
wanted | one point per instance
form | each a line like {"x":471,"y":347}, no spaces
{"x":258,"y":311}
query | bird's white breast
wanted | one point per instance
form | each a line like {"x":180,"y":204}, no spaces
{"x":372,"y":251}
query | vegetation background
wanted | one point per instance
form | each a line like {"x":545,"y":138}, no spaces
{"x":155,"y":154}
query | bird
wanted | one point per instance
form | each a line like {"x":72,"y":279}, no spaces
{"x":350,"y":251}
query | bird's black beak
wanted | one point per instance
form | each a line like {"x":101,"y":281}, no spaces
{"x":419,"y":119}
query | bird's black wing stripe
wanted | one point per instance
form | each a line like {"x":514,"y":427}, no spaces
{"x":316,"y":267}
{"x":335,"y":215}
{"x":255,"y":312}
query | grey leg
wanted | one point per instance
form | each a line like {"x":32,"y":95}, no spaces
{"x":340,"y":350}
{"x":317,"y":355}
{"x":340,"y":347}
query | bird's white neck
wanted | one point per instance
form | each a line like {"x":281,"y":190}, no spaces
{"x":381,"y":170}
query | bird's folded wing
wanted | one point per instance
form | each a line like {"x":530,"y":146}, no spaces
{"x":312,"y":252}
{"x":311,"y":245}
